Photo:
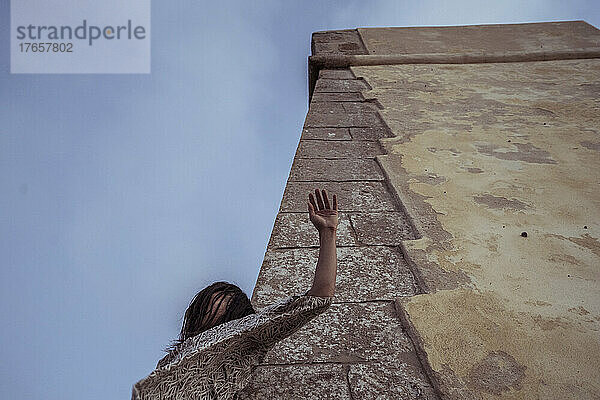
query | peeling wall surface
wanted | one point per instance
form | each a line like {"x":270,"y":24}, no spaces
{"x":496,"y":152}
{"x":468,"y":244}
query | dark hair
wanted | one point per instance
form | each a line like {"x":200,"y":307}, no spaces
{"x":238,"y":306}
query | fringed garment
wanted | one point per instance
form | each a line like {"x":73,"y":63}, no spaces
{"x":218,"y":363}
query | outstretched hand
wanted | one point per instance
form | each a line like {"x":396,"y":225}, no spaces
{"x":321,"y":213}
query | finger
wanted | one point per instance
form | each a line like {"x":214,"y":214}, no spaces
{"x":335,"y":202}
{"x":326,"y":200}
{"x":319,"y":200}
{"x":311,"y":209}
{"x":312,"y":202}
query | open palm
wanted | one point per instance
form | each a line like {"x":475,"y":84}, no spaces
{"x":321,"y":213}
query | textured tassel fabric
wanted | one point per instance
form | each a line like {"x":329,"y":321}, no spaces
{"x":218,"y":362}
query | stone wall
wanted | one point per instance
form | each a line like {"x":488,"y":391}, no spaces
{"x":358,"y":348}
{"x":465,"y":164}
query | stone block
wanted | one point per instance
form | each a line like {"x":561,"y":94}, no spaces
{"x":389,"y":380}
{"x":329,"y":107}
{"x":351,"y":196}
{"x":297,"y":382}
{"x":283,"y":273}
{"x":337,"y":42}
{"x":341,"y":120}
{"x":383,"y":228}
{"x":347,"y":35}
{"x":325,"y":48}
{"x":381,"y":270}
{"x":296,"y":230}
{"x":348,"y":48}
{"x":340,"y":85}
{"x":336,"y":74}
{"x":333,"y":149}
{"x":354,"y":107}
{"x":360,"y":169}
{"x":346,"y":332}
{"x":319,"y":97}
{"x":340,"y":107}
{"x":369,"y":133}
{"x":326,"y":134}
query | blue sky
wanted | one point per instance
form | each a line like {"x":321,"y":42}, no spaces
{"x":123,"y":195}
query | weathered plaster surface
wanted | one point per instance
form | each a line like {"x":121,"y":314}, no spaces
{"x":481,"y":154}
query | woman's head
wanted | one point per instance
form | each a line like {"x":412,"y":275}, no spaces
{"x":214,"y":305}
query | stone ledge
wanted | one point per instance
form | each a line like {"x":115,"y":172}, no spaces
{"x":296,"y":230}
{"x":346,"y":41}
{"x":385,"y":380}
{"x":485,"y":38}
{"x":315,"y":149}
{"x":333,"y":120}
{"x":336,"y":74}
{"x":384,"y":274}
{"x":339,"y":134}
{"x":348,"y":333}
{"x":341,"y":107}
{"x":369,"y":133}
{"x":306,"y":382}
{"x":351,"y":196}
{"x":337,"y":97}
{"x":335,"y":170}
{"x":340,"y":85}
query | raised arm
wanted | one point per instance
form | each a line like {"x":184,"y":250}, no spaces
{"x":325,"y":218}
